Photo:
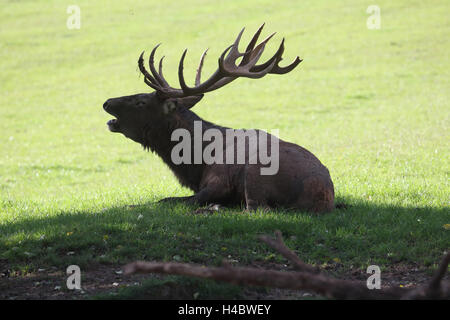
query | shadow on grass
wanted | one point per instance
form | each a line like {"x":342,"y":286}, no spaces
{"x":174,"y":288}
{"x":361,"y":234}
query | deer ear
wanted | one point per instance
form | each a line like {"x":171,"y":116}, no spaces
{"x":169,"y":105}
{"x":188,"y":102}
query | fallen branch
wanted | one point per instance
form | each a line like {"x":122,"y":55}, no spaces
{"x":307,"y":278}
{"x":278,"y":245}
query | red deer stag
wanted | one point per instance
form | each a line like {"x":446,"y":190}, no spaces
{"x":242,"y":173}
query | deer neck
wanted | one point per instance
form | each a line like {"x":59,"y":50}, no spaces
{"x":158,"y":138}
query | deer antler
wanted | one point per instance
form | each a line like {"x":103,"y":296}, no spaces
{"x":225,"y":73}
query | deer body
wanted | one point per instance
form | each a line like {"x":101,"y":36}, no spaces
{"x":301,"y":181}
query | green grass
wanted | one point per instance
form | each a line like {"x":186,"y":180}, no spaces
{"x":371,"y":104}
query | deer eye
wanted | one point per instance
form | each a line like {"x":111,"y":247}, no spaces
{"x":140,"y":104}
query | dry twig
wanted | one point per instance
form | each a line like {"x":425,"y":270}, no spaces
{"x":307,"y":278}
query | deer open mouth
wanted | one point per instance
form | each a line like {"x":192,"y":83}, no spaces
{"x":113,"y":125}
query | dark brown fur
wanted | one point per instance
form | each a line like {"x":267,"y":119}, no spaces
{"x":302,"y":182}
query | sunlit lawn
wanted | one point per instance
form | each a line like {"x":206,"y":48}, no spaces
{"x":371,"y":104}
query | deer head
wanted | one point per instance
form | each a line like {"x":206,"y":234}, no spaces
{"x":137,"y":112}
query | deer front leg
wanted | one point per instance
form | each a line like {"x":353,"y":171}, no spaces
{"x":211,"y":193}
{"x":177,"y":199}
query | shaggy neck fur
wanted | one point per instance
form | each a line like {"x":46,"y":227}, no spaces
{"x":156,"y":137}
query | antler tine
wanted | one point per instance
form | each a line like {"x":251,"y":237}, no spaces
{"x":260,"y":47}
{"x":235,"y":47}
{"x":256,"y":54}
{"x":183,"y":85}
{"x":251,"y":45}
{"x":276,"y":56}
{"x":160,"y":70}
{"x":199,"y":70}
{"x":162,"y":88}
{"x":254,"y":75}
{"x":276,"y":68}
{"x":152,"y":85}
{"x":222,"y":58}
{"x":158,"y":76}
{"x":202,"y":87}
{"x":144,"y":71}
{"x":282,"y":70}
{"x":228,"y":66}
{"x":233,"y":53}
